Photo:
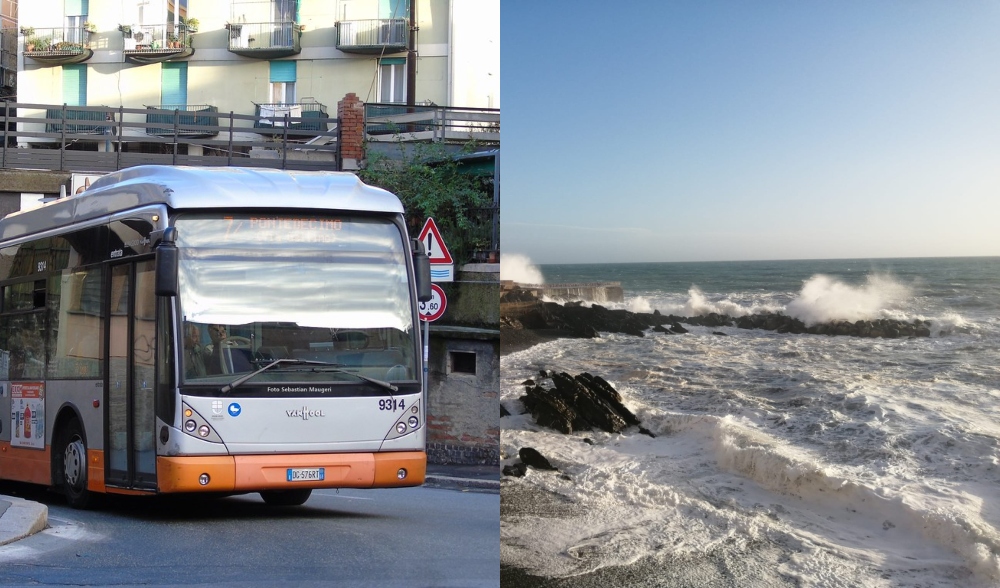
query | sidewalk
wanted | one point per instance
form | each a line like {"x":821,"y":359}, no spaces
{"x":20,"y":518}
{"x":480,"y":478}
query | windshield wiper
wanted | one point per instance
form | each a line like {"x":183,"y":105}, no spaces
{"x":332,"y":367}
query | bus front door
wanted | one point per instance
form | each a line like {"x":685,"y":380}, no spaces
{"x":131,"y":447}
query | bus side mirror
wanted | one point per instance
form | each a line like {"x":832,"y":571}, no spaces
{"x":167,"y":260}
{"x":422,"y":267}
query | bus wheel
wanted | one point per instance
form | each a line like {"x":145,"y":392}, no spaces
{"x":285,"y":497}
{"x":74,"y":467}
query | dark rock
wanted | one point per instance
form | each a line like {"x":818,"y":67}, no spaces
{"x":720,"y":333}
{"x":588,"y":440}
{"x":517,"y":470}
{"x":579,"y":403}
{"x":646,"y":431}
{"x":503,"y":411}
{"x":528,"y":382}
{"x":530,"y":456}
{"x":677,"y":328}
{"x":590,"y":407}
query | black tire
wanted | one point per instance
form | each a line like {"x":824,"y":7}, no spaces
{"x":72,"y":458}
{"x":285,"y":497}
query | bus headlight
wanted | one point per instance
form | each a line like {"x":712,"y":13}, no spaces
{"x":204,"y":430}
{"x":413,"y":421}
{"x":401,"y":474}
{"x":190,"y":426}
{"x":400,"y":428}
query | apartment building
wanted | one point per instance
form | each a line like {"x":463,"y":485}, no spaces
{"x":258,"y":57}
{"x":8,"y":48}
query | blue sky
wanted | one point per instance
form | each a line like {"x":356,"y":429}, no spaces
{"x":712,"y":130}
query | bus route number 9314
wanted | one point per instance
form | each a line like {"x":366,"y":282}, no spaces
{"x":391,"y":404}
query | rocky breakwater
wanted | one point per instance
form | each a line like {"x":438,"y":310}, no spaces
{"x":573,"y":319}
{"x":574,"y":403}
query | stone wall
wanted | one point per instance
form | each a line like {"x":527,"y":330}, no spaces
{"x":463,"y":404}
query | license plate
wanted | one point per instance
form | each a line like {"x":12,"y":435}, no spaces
{"x":306,"y":474}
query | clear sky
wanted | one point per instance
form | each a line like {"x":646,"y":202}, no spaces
{"x":703,"y":130}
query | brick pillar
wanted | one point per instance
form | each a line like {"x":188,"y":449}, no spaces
{"x":351,"y":113}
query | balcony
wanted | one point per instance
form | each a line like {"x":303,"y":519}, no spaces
{"x":373,"y":37}
{"x":60,"y":46}
{"x":265,"y":40}
{"x":145,"y":44}
{"x":305,"y":116}
{"x":182,"y":120}
{"x":99,"y":120}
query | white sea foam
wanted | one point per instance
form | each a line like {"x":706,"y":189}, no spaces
{"x":519,"y":268}
{"x":824,"y":461}
{"x":857,"y":462}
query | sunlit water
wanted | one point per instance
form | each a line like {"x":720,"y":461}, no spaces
{"x":871,"y":462}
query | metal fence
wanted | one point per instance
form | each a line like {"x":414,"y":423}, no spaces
{"x":399,"y":122}
{"x":43,"y":136}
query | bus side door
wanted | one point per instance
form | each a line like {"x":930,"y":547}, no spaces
{"x":130,"y":378}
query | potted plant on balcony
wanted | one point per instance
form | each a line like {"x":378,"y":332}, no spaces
{"x":191,"y":24}
{"x":90,"y":27}
{"x":126,"y":30}
{"x":173,"y":42}
{"x":37,"y":44}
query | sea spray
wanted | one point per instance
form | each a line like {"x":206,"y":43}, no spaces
{"x":825,"y":299}
{"x":519,"y":268}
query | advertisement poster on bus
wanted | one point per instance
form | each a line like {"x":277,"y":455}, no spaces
{"x":27,"y":414}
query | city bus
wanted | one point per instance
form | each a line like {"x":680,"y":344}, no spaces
{"x":212,"y":330}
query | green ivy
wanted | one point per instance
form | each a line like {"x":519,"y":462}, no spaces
{"x":430,"y":183}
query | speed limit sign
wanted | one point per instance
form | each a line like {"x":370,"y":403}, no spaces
{"x":433,"y":308}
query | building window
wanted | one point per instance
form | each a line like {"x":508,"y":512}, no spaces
{"x":392,"y":9}
{"x":392,"y":80}
{"x":75,"y":85}
{"x":173,"y":84}
{"x":76,"y":14}
{"x":283,"y":82}
{"x":462,"y":362}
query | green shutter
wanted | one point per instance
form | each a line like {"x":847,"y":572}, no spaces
{"x":392,"y":61}
{"x":75,"y":85}
{"x":283,"y":71}
{"x":76,"y":7}
{"x":173,"y":84}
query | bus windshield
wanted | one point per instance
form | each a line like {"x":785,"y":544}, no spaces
{"x":255,"y":288}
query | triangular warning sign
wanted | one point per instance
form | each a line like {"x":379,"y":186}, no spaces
{"x":437,"y":251}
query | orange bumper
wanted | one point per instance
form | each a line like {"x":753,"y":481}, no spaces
{"x":251,"y":473}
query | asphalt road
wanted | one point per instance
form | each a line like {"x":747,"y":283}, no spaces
{"x":409,"y":537}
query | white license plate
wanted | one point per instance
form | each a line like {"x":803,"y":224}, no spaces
{"x":305,"y":474}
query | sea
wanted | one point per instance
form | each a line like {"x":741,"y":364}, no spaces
{"x":809,"y":460}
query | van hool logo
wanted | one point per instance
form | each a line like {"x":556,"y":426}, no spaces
{"x":304,"y":413}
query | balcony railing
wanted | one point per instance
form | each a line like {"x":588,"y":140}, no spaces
{"x":304,"y":116}
{"x":98,"y":114}
{"x":265,"y":39}
{"x":153,"y":43}
{"x":59,"y":45}
{"x":182,"y":120}
{"x":387,"y":35}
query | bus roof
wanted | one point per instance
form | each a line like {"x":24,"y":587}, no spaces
{"x":193,"y":188}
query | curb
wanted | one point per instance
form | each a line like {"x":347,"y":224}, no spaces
{"x":461,"y":483}
{"x":21,"y":519}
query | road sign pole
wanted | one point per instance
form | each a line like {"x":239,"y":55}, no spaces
{"x":427,"y":338}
